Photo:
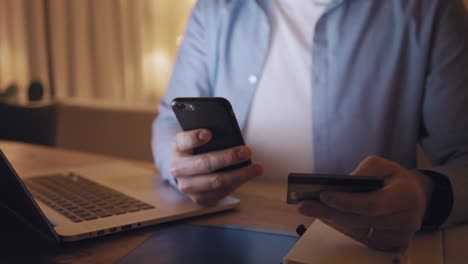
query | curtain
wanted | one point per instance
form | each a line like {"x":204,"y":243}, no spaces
{"x":113,"y":50}
{"x":23,"y":51}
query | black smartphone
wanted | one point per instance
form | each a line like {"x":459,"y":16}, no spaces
{"x":215,"y":114}
{"x":308,"y":186}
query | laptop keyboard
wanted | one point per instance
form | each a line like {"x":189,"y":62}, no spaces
{"x":80,"y":199}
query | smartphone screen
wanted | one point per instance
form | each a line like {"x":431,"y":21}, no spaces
{"x":212,"y":113}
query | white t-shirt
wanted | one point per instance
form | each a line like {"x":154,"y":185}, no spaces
{"x":279,"y":126}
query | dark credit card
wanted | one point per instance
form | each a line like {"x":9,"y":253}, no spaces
{"x":308,"y":186}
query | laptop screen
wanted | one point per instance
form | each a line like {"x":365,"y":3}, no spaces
{"x":16,"y":200}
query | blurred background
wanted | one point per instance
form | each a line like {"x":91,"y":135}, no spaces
{"x":87,"y":73}
{"x":106,"y":62}
{"x":112,"y":50}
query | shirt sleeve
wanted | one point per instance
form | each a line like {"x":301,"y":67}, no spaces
{"x":189,"y":79}
{"x":445,"y":106}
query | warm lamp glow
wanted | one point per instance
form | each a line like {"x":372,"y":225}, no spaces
{"x":163,"y":34}
{"x":160,"y":60}
{"x":13,"y":67}
{"x":157,"y":68}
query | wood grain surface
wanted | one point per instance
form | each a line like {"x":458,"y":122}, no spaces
{"x":262,"y":206}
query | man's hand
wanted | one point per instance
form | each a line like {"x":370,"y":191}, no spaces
{"x":385,"y":219}
{"x":195,"y":174}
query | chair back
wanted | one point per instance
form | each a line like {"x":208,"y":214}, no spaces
{"x":35,"y":123}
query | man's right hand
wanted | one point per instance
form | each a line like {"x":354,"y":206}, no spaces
{"x":195,"y":174}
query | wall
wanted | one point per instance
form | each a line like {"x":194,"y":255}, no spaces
{"x":115,"y":130}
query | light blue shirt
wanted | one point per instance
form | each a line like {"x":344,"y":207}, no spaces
{"x":388,"y":75}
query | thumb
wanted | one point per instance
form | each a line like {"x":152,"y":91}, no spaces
{"x":376,"y":166}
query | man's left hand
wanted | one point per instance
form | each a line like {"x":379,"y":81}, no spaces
{"x":385,"y":219}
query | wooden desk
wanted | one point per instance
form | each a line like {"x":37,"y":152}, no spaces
{"x":262,"y":206}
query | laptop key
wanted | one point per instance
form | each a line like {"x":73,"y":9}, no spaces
{"x":116,"y":210}
{"x":103,"y":214}
{"x":89,"y":217}
{"x":130,"y":208}
{"x":146,"y":207}
{"x":76,"y":219}
{"x":80,"y":199}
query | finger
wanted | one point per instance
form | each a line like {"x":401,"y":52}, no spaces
{"x":381,"y":202}
{"x":357,"y":203}
{"x":376,"y":166}
{"x":397,"y":222}
{"x":219,"y":181}
{"x":210,"y":198}
{"x":357,"y":234}
{"x":379,"y":239}
{"x":209,"y":162}
{"x":188,"y":140}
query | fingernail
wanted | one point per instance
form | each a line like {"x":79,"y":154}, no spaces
{"x":242,"y":153}
{"x":174,"y":171}
{"x":300,"y":207}
{"x":203,"y":135}
{"x":259,"y":169}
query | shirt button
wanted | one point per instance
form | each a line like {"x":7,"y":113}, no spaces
{"x":253,"y":79}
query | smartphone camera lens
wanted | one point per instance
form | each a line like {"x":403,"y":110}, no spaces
{"x":180,"y":106}
{"x":189,"y":107}
{"x":185,"y":107}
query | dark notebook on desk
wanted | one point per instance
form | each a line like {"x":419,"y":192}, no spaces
{"x":212,"y":244}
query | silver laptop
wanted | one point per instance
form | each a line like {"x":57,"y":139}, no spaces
{"x":95,"y":200}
